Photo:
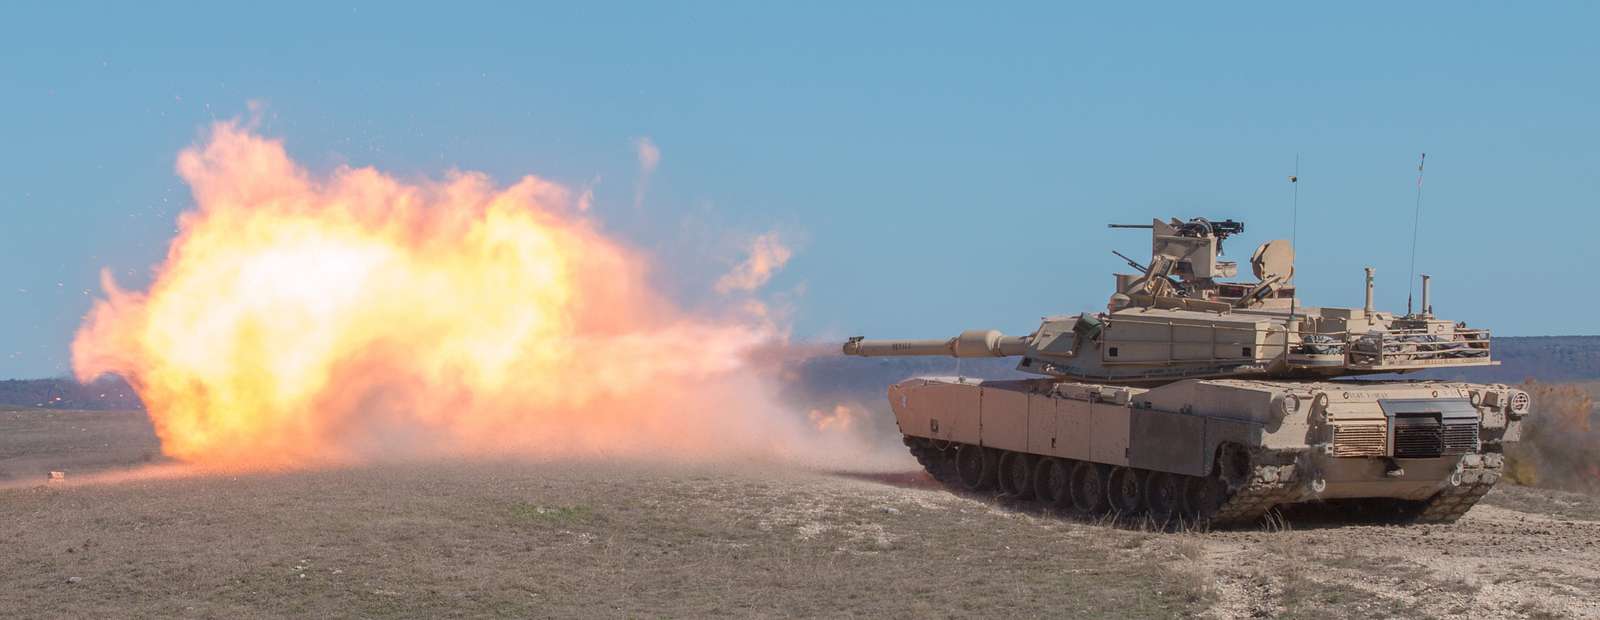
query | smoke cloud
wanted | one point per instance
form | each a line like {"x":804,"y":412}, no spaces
{"x":766,"y":255}
{"x":649,"y":157}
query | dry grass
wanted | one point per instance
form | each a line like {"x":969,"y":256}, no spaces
{"x":36,"y":441}
{"x":552,"y":539}
{"x":1564,"y":504}
{"x":453,"y":539}
{"x":1306,"y":588}
{"x":568,"y":539}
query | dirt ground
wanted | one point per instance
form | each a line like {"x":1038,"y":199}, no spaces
{"x":126,"y":535}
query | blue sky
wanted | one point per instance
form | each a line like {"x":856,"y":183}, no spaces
{"x":938,"y":166}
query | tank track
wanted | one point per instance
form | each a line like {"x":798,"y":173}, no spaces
{"x":930,"y":461}
{"x":1479,"y":472}
{"x":1266,"y":487}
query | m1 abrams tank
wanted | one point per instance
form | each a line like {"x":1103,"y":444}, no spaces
{"x":1213,"y":402}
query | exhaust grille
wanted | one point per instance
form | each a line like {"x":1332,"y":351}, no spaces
{"x":1418,"y":441}
{"x":1359,"y":439}
{"x":1431,"y":439}
{"x":1431,"y":427}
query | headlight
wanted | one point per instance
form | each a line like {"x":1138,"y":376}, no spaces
{"x":1520,"y":402}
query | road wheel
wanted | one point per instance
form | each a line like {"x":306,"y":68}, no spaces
{"x":1052,"y":482}
{"x":976,"y":466}
{"x":1089,"y":488}
{"x":1202,"y":497}
{"x":1126,"y":490}
{"x":1016,"y":475}
{"x":1041,"y":480}
{"x":1162,"y":494}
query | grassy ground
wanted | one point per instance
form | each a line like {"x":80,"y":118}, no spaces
{"x":35,"y":441}
{"x":554,"y":539}
{"x":566,"y":539}
{"x":1561,"y":504}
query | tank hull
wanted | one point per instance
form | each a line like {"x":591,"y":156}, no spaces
{"x":1222,"y":452}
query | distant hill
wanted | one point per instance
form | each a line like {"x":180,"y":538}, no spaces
{"x":109,"y":392}
{"x":821,"y":377}
{"x":1549,"y":359}
{"x":815,"y":375}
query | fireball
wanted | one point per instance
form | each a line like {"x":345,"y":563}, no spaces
{"x":301,"y":318}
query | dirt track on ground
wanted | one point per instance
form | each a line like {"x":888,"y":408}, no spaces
{"x":1495,"y":562}
{"x":728,"y":539}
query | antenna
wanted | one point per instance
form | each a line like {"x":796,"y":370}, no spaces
{"x":1294,"y":209}
{"x":1294,"y":235}
{"x":1416,"y":223}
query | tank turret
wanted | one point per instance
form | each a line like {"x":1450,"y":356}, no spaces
{"x":1178,"y":317}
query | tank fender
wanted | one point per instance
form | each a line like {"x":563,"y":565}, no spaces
{"x":1162,"y":441}
{"x":1183,"y":443}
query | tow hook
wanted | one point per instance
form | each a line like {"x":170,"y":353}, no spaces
{"x":1392,"y":468}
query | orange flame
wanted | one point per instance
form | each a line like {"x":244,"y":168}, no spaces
{"x":299,"y":319}
{"x":842,"y":418}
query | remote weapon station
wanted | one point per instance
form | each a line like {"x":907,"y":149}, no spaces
{"x":1199,"y":398}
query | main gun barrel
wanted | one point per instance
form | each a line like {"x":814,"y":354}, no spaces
{"x":971,"y":343}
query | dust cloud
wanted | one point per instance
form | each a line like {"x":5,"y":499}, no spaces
{"x":1560,"y":447}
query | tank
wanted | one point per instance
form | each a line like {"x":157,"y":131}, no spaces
{"x":1196,"y":399}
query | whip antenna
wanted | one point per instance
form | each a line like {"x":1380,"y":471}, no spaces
{"x":1294,"y":236}
{"x":1416,"y":222}
{"x":1294,"y":209}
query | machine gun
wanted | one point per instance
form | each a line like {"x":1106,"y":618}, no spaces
{"x":1198,"y":227}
